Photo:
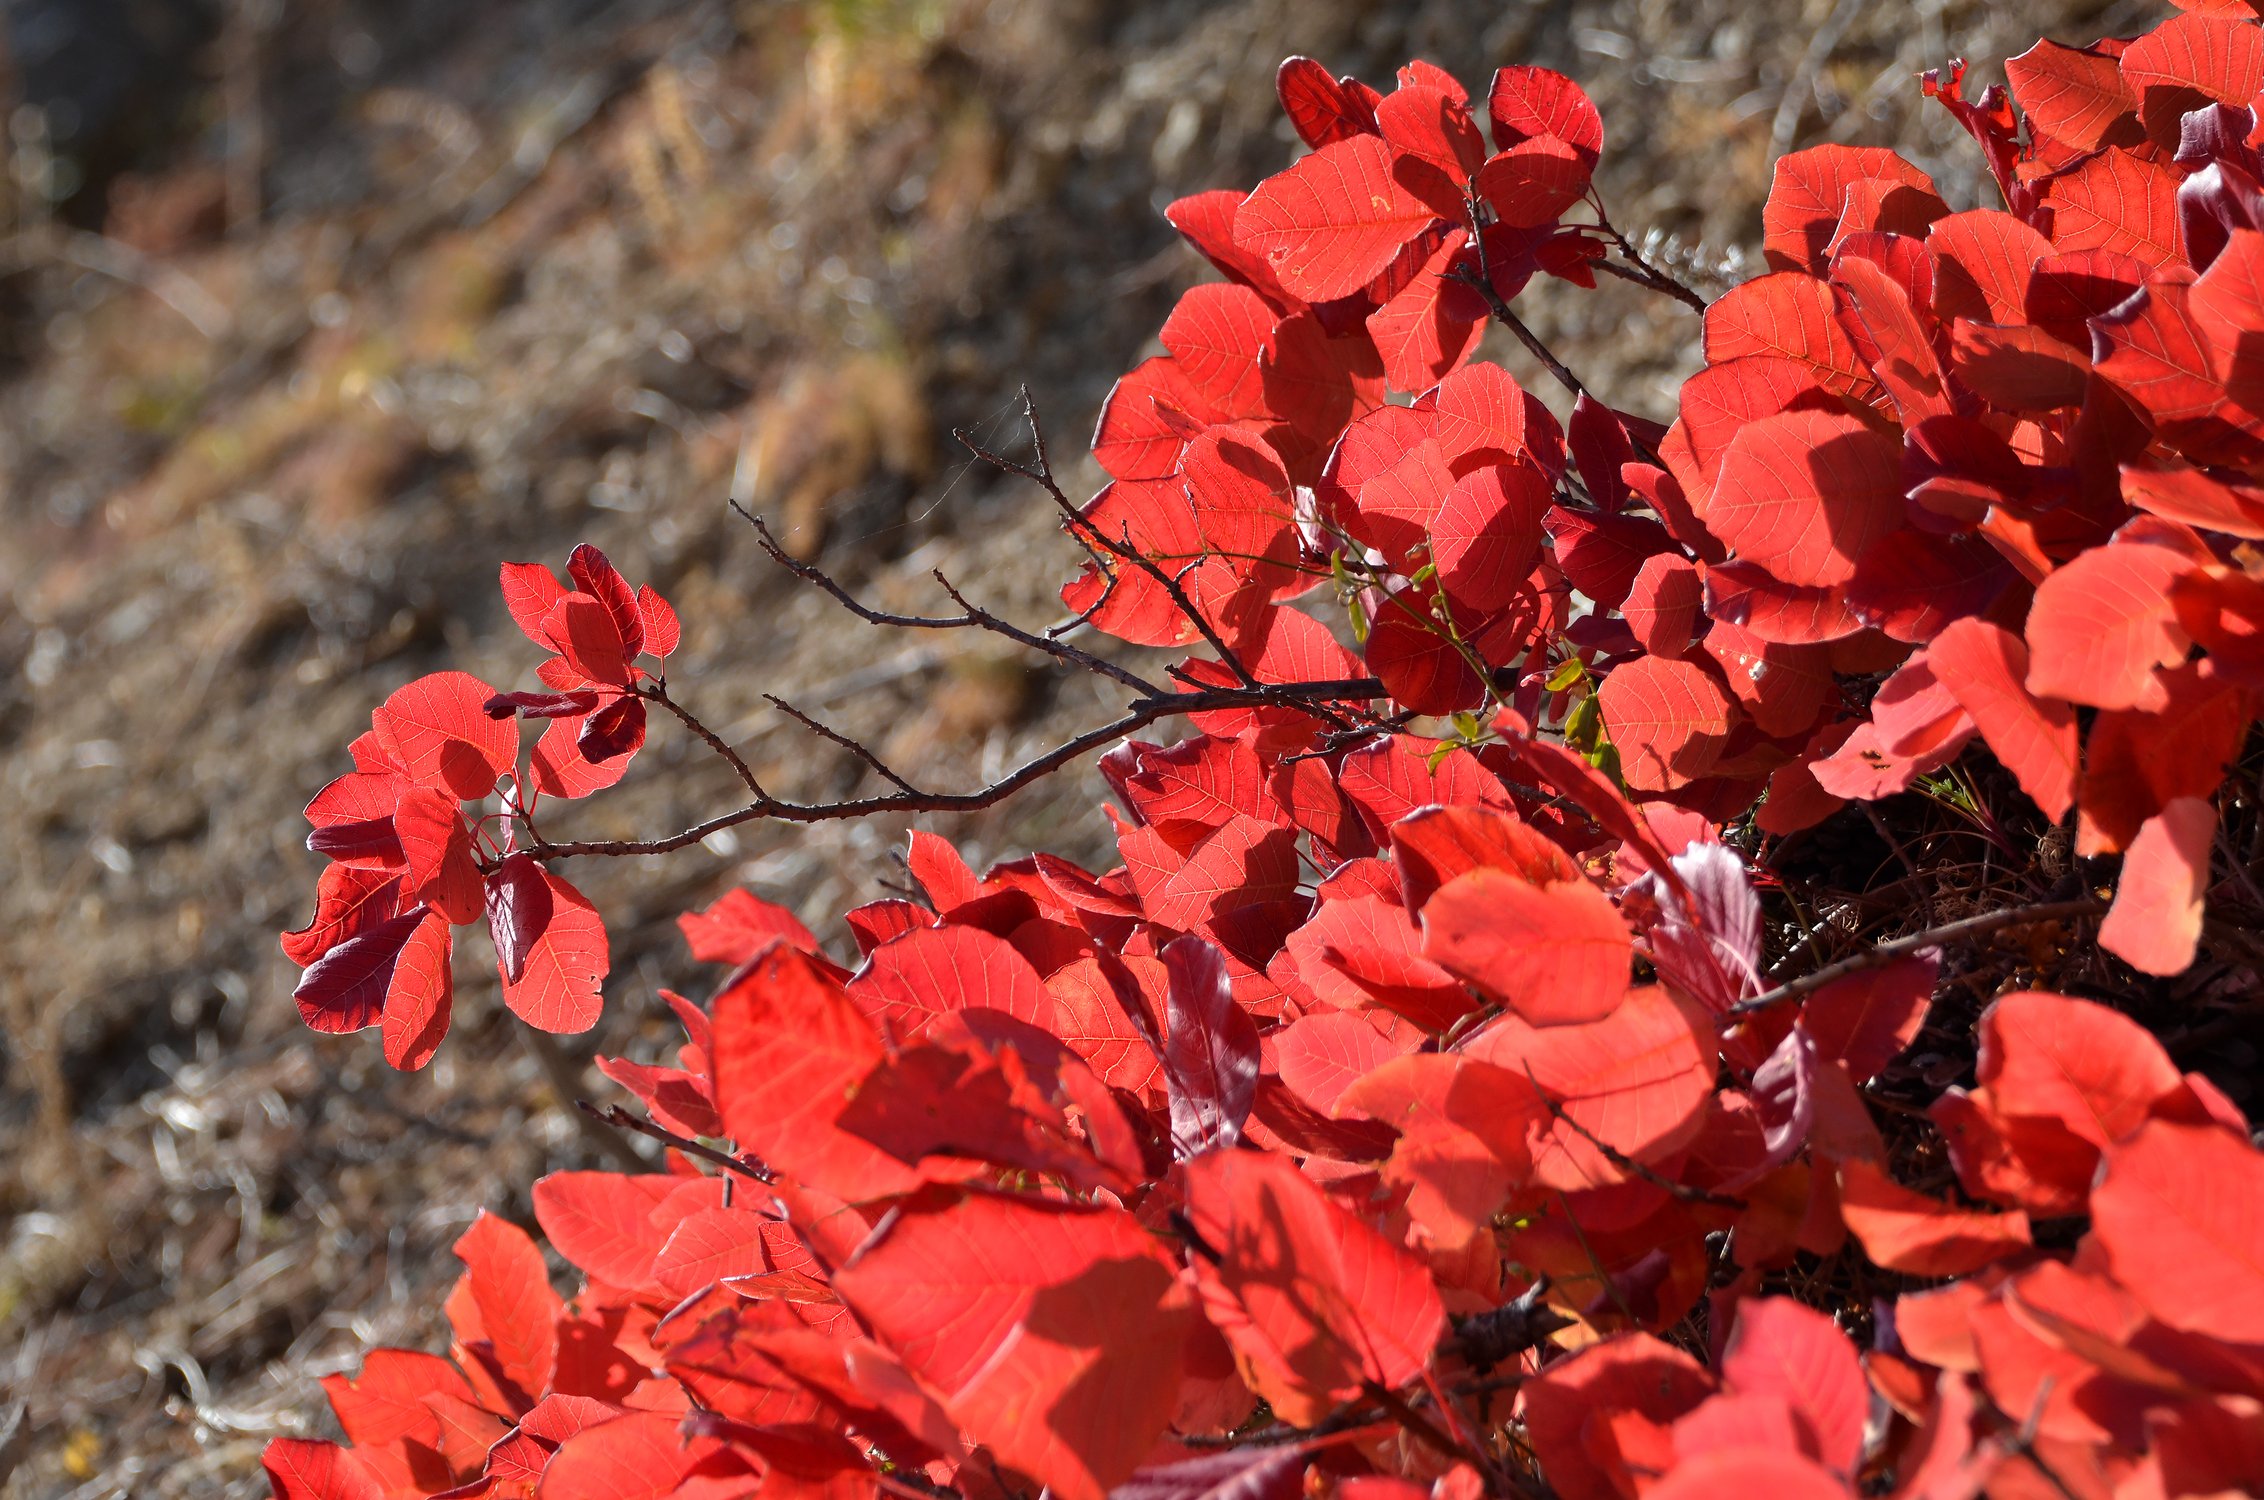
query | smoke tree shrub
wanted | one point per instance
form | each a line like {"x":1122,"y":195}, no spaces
{"x":1416,"y":1109}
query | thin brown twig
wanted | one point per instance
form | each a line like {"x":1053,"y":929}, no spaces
{"x":1904,"y":947}
{"x":1303,"y":696}
{"x":1526,"y":336}
{"x":621,"y":1119}
{"x":714,"y":741}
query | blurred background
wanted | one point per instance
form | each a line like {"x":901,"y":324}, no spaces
{"x":313,"y":311}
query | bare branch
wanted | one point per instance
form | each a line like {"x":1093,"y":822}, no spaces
{"x":1904,"y":947}
{"x":621,"y":1119}
{"x":880,"y":767}
{"x":1307,"y":697}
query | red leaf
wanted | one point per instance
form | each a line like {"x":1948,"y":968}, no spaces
{"x":561,"y":770}
{"x":1198,"y":784}
{"x":1323,"y":108}
{"x":1331,"y":223}
{"x":1904,"y":360}
{"x":2188,"y":61}
{"x":1534,"y":182}
{"x":2179,"y":1214}
{"x":789,"y":1048}
{"x":2155,"y":922}
{"x":1320,"y":1056}
{"x":2118,"y":202}
{"x":1746,"y":596}
{"x":1052,"y":1333}
{"x":1663,"y":603}
{"x":1789,"y":316}
{"x":1809,"y":192}
{"x":1556,"y":954}
{"x":437,"y":731}
{"x":1524,"y":102}
{"x":740,"y":924}
{"x":1210,"y":1052}
{"x":436,"y":842}
{"x":1984,"y":260}
{"x":1207,"y":222}
{"x":639,"y":1455}
{"x":2074,"y":95}
{"x":300,"y":1469}
{"x":1361,"y":951}
{"x":1634,"y":1080}
{"x":557,"y":989}
{"x":1866,"y":1020}
{"x":602,"y":1222}
{"x":1668,"y":719}
{"x":518,"y":1311}
{"x":1920,"y":1236}
{"x":1986,"y":669}
{"x":1486,"y":534}
{"x":594,"y":574}
{"x":1780,"y":1348}
{"x":518,"y":911}
{"x":2103,"y":622}
{"x":1246,"y":860}
{"x":589,"y":639}
{"x":1781,"y":688}
{"x":529,"y":590}
{"x":397,"y":971}
{"x":1805,"y":494}
{"x":1431,"y":325}
{"x":1411,"y":655}
{"x":2096,"y":1072}
{"x":931,"y":971}
{"x":1432,"y":845}
{"x":662,"y":630}
{"x":347,"y":903}
{"x":615,"y":731}
{"x":1215,"y":334}
{"x":371,"y":843}
{"x":1313,"y":1300}
{"x":1748,"y":1471}
{"x":1431,"y":122}
{"x":1632,"y":1372}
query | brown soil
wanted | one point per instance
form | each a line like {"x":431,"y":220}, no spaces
{"x":552,"y":270}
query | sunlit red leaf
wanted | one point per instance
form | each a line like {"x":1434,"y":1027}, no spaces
{"x":1668,"y":719}
{"x":1323,"y":108}
{"x":1313,"y":1300}
{"x":437,"y":731}
{"x":1554,"y":953}
{"x":1632,"y":1372}
{"x":2179,"y":1212}
{"x":2103,"y":623}
{"x":1634,"y":1080}
{"x":1051,"y":1332}
{"x":2120,"y":202}
{"x":1779,"y":1347}
{"x":1810,"y":191}
{"x":1329,"y":224}
{"x":302,"y":1469}
{"x":557,"y":987}
{"x":2155,"y":922}
{"x":1906,"y":1231}
{"x":789,"y":1049}
{"x":738,"y":925}
{"x":1806,"y":494}
{"x":2075,"y":95}
{"x":518,"y":1311}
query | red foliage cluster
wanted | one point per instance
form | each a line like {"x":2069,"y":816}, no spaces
{"x":1409,"y":1115}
